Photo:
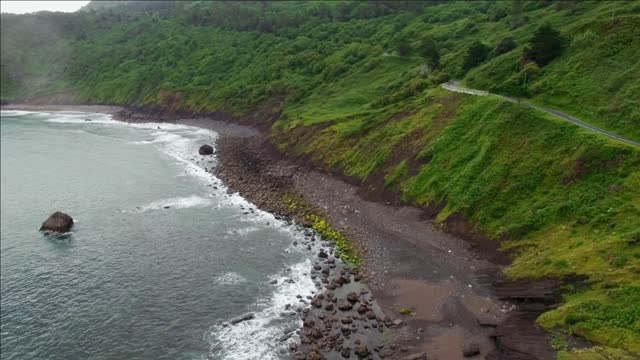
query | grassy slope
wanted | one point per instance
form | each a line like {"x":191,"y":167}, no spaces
{"x":567,"y":201}
{"x":596,"y":79}
{"x":570,"y":200}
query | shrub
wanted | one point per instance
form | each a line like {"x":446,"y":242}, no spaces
{"x":545,"y":45}
{"x":475,"y":55}
{"x":402,"y":47}
{"x":505,"y":45}
{"x":429,"y":52}
{"x":405,"y":311}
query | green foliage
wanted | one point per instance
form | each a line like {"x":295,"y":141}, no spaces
{"x":568,"y":199}
{"x":476,"y":54}
{"x":545,"y":45}
{"x":406,"y":311}
{"x":429,"y":52}
{"x":403,"y":47}
{"x":505,"y":45}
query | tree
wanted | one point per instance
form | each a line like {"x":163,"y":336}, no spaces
{"x":545,"y":45}
{"x":507,"y":44}
{"x":429,"y":52}
{"x":403,"y":47}
{"x":476,"y":54}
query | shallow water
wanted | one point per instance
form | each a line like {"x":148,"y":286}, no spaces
{"x":160,"y":256}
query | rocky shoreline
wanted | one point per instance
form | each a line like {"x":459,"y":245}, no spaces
{"x":443,"y":297}
{"x":434,"y":293}
{"x":343,"y":319}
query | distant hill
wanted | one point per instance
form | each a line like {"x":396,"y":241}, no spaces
{"x":127,"y":5}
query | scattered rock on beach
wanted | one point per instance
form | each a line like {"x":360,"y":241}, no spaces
{"x":352,"y":297}
{"x":471,"y":349}
{"x":419,"y":356}
{"x":344,"y":305}
{"x":205,"y":150}
{"x":57,"y":222}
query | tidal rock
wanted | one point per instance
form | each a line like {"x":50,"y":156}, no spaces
{"x":352,"y":297}
{"x":57,"y":222}
{"x":205,"y":150}
{"x":245,"y":317}
{"x":322,"y":254}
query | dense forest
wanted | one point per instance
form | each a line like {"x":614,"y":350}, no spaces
{"x":354,"y":87}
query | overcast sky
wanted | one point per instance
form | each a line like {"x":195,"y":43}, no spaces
{"x":22,"y":7}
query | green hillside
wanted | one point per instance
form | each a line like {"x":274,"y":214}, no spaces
{"x":357,"y":85}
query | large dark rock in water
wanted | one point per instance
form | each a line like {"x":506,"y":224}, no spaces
{"x":58,"y":222}
{"x":205,"y":150}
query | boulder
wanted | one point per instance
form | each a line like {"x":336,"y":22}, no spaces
{"x":346,"y":352}
{"x":352,"y":297}
{"x":344,"y":305}
{"x":471,"y":349}
{"x":57,"y":222}
{"x":205,"y":150}
{"x":242,"y":318}
{"x":362,"y":350}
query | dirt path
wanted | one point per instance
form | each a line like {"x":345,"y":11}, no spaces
{"x":455,"y":87}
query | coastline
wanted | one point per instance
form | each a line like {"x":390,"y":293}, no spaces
{"x":451,"y":287}
{"x":454,"y":287}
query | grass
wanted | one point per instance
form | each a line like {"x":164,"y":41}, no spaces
{"x":568,"y":200}
{"x":315,"y":217}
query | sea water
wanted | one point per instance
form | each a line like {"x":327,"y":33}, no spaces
{"x":159,"y":259}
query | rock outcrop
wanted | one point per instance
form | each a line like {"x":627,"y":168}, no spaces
{"x":245,"y":317}
{"x":205,"y":150}
{"x":57,"y":222}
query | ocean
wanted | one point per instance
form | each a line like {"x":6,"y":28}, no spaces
{"x":160,"y":259}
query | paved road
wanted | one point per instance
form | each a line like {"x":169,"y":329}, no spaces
{"x":455,"y":87}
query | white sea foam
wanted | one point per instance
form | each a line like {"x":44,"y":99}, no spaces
{"x":15,"y":112}
{"x":258,"y":338}
{"x":230,"y":278}
{"x":242,"y":231}
{"x":79,"y":118}
{"x":177,"y":203}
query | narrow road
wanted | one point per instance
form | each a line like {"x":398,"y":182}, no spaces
{"x":455,"y":87}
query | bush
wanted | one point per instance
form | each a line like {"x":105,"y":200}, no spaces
{"x":475,"y":55}
{"x":545,"y":45}
{"x":507,"y":44}
{"x":406,"y":311}
{"x":402,"y":47}
{"x":429,"y":52}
